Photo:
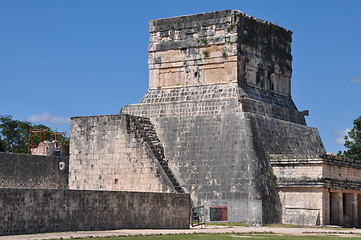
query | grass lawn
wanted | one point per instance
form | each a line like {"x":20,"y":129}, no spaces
{"x":228,"y":236}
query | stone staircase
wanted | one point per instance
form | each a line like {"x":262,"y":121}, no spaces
{"x":145,"y":133}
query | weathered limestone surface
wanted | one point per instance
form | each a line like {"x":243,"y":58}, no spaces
{"x":44,"y":210}
{"x":326,"y":171}
{"x":222,"y":46}
{"x":105,"y":154}
{"x":303,"y":206}
{"x":30,"y":171}
{"x":219,"y":97}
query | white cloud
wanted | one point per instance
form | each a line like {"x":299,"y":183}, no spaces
{"x":356,"y":79}
{"x":340,"y":136}
{"x":47,"y":117}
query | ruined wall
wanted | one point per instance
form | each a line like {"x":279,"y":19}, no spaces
{"x":30,"y":171}
{"x":44,"y":210}
{"x":105,"y":154}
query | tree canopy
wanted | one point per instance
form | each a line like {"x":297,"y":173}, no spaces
{"x":353,"y":141}
{"x":14,"y":134}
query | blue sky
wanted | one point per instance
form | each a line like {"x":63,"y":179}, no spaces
{"x":89,"y":57}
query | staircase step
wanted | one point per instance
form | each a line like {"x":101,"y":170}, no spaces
{"x":145,"y":131}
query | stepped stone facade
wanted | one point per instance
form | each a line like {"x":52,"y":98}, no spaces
{"x":217,"y":128}
{"x":217,"y":111}
{"x":219,"y":97}
{"x":220,"y":102}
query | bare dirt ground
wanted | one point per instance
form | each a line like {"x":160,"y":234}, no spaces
{"x":199,"y":229}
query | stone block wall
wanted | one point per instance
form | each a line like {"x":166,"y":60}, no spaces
{"x":264,"y":55}
{"x":225,"y":47}
{"x":215,"y":99}
{"x":222,"y":46}
{"x":214,"y":147}
{"x":298,"y":169}
{"x":318,"y":169}
{"x":304,"y":206}
{"x":220,"y":100}
{"x":44,"y":210}
{"x":105,"y":154}
{"x":191,"y":50}
{"x":322,"y":170}
{"x":276,"y":136}
{"x":31,"y":171}
{"x":343,"y":173}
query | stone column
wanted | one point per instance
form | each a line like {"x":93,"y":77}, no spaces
{"x":326,"y":203}
{"x":359,"y":210}
{"x":349,"y":209}
{"x":336,"y":208}
{"x":341,"y":210}
{"x":355,"y":210}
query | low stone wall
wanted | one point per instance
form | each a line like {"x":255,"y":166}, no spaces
{"x":41,"y":210}
{"x":33,"y":171}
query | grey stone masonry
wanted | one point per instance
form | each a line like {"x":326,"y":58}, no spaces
{"x":223,"y":47}
{"x":48,"y":210}
{"x":219,"y":98}
{"x":144,"y":131}
{"x":32,"y":171}
{"x":326,"y":171}
{"x":118,"y":152}
{"x":215,"y":99}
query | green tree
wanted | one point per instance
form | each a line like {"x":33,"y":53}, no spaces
{"x":2,"y":145}
{"x":14,"y":135}
{"x":353,"y":141}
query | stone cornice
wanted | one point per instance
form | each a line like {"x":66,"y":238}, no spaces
{"x":319,"y":183}
{"x":283,"y":160}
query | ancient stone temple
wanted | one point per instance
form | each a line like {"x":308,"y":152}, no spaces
{"x":219,"y":97}
{"x":218,"y":105}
